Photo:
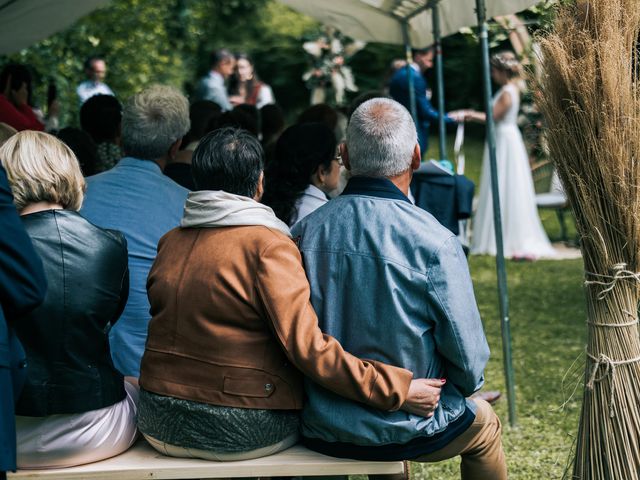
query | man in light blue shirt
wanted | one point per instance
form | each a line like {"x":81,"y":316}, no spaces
{"x":392,"y":285}
{"x":137,"y":199}
{"x":212,"y":86}
{"x":96,"y":71}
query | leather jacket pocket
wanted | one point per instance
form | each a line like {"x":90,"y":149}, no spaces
{"x":258,"y":387}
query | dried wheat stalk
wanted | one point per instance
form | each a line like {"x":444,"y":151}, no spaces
{"x":590,"y":98}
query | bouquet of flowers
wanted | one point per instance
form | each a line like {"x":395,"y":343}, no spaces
{"x":328,"y":54}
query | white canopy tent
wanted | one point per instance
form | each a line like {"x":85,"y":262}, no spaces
{"x":381,"y":20}
{"x":25,"y":22}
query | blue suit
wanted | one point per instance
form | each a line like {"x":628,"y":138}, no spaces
{"x":399,"y":91}
{"x":22,"y":288}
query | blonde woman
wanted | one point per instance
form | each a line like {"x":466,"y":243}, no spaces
{"x":523,"y":234}
{"x":75,"y":407}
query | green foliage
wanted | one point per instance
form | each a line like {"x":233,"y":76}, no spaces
{"x":169,"y":42}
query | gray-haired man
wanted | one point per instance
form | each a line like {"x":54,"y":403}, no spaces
{"x":391,"y":284}
{"x":137,"y":199}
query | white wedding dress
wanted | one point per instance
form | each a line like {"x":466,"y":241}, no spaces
{"x":522,"y":231}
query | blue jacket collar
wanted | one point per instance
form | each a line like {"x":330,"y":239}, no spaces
{"x":374,"y":187}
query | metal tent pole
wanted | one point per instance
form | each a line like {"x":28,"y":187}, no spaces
{"x":437,"y":42}
{"x":497,"y":220}
{"x":409,"y":56}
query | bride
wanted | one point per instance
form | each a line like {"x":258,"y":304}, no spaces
{"x":523,"y":234}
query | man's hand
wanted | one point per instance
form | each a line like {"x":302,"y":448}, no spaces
{"x":423,"y":396}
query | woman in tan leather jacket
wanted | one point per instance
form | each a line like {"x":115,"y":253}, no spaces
{"x":233,"y":330}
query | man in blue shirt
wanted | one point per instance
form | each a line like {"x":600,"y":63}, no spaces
{"x":399,"y":91}
{"x":137,"y":199}
{"x":392,"y":285}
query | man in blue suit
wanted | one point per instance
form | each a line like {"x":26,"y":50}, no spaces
{"x":399,"y":91}
{"x":22,"y":288}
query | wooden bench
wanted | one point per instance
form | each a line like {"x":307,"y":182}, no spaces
{"x":141,"y":461}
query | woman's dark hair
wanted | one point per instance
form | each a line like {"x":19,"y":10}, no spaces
{"x":202,"y":114}
{"x":18,"y":74}
{"x":300,"y":150}
{"x":81,"y":143}
{"x":250,"y":85}
{"x":322,"y":113}
{"x":101,"y":117}
{"x":272,"y":122}
{"x":236,"y":118}
{"x":228,"y":159}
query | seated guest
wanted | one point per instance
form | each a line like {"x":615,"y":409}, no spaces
{"x":15,"y":90}
{"x":272,"y":123}
{"x":304,"y":170}
{"x":201,"y":114}
{"x":232,"y":328}
{"x":23,"y":287}
{"x":135,"y":198}
{"x":101,"y":117}
{"x":75,"y":406}
{"x":414,"y":307}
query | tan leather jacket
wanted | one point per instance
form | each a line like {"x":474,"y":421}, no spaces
{"x":232,"y":325}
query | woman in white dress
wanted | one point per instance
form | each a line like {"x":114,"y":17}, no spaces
{"x":523,"y":234}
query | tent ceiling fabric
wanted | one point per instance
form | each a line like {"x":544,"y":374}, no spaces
{"x":380,"y":20}
{"x":25,"y":22}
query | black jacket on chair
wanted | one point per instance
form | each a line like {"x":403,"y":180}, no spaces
{"x":66,"y":338}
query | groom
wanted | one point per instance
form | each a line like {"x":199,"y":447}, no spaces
{"x":399,"y":91}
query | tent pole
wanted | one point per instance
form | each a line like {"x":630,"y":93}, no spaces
{"x":409,"y":58}
{"x":497,"y":219}
{"x":437,"y":43}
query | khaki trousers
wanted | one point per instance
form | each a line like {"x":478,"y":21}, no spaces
{"x":480,"y":447}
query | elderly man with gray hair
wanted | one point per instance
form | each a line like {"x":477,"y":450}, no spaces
{"x":391,"y":284}
{"x":137,"y":199}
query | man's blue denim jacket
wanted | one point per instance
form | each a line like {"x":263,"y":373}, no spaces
{"x":392,"y":285}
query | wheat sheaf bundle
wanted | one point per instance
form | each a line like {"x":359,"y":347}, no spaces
{"x":590,"y":97}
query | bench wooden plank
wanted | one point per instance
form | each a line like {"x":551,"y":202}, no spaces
{"x":143,"y":462}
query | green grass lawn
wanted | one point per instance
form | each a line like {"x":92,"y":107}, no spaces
{"x":547,"y":314}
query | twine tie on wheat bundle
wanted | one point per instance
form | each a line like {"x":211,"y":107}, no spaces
{"x":620,"y":272}
{"x":609,"y":282}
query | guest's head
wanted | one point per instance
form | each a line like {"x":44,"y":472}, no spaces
{"x":229,"y":159}
{"x":381,"y":139}
{"x":322,"y":113}
{"x":95,"y":68}
{"x":41,"y":168}
{"x":305,"y":154}
{"x":6,"y":132}
{"x":363,"y":97}
{"x":223,"y":62}
{"x":272,"y":124}
{"x":15,"y":84}
{"x":101,"y":117}
{"x":202,"y":113}
{"x":84,"y":148}
{"x":154,"y":122}
{"x":236,"y":118}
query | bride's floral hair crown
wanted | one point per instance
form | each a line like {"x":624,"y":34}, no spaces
{"x":507,"y":62}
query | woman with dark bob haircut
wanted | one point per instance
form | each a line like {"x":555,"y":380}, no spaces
{"x":305,"y":169}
